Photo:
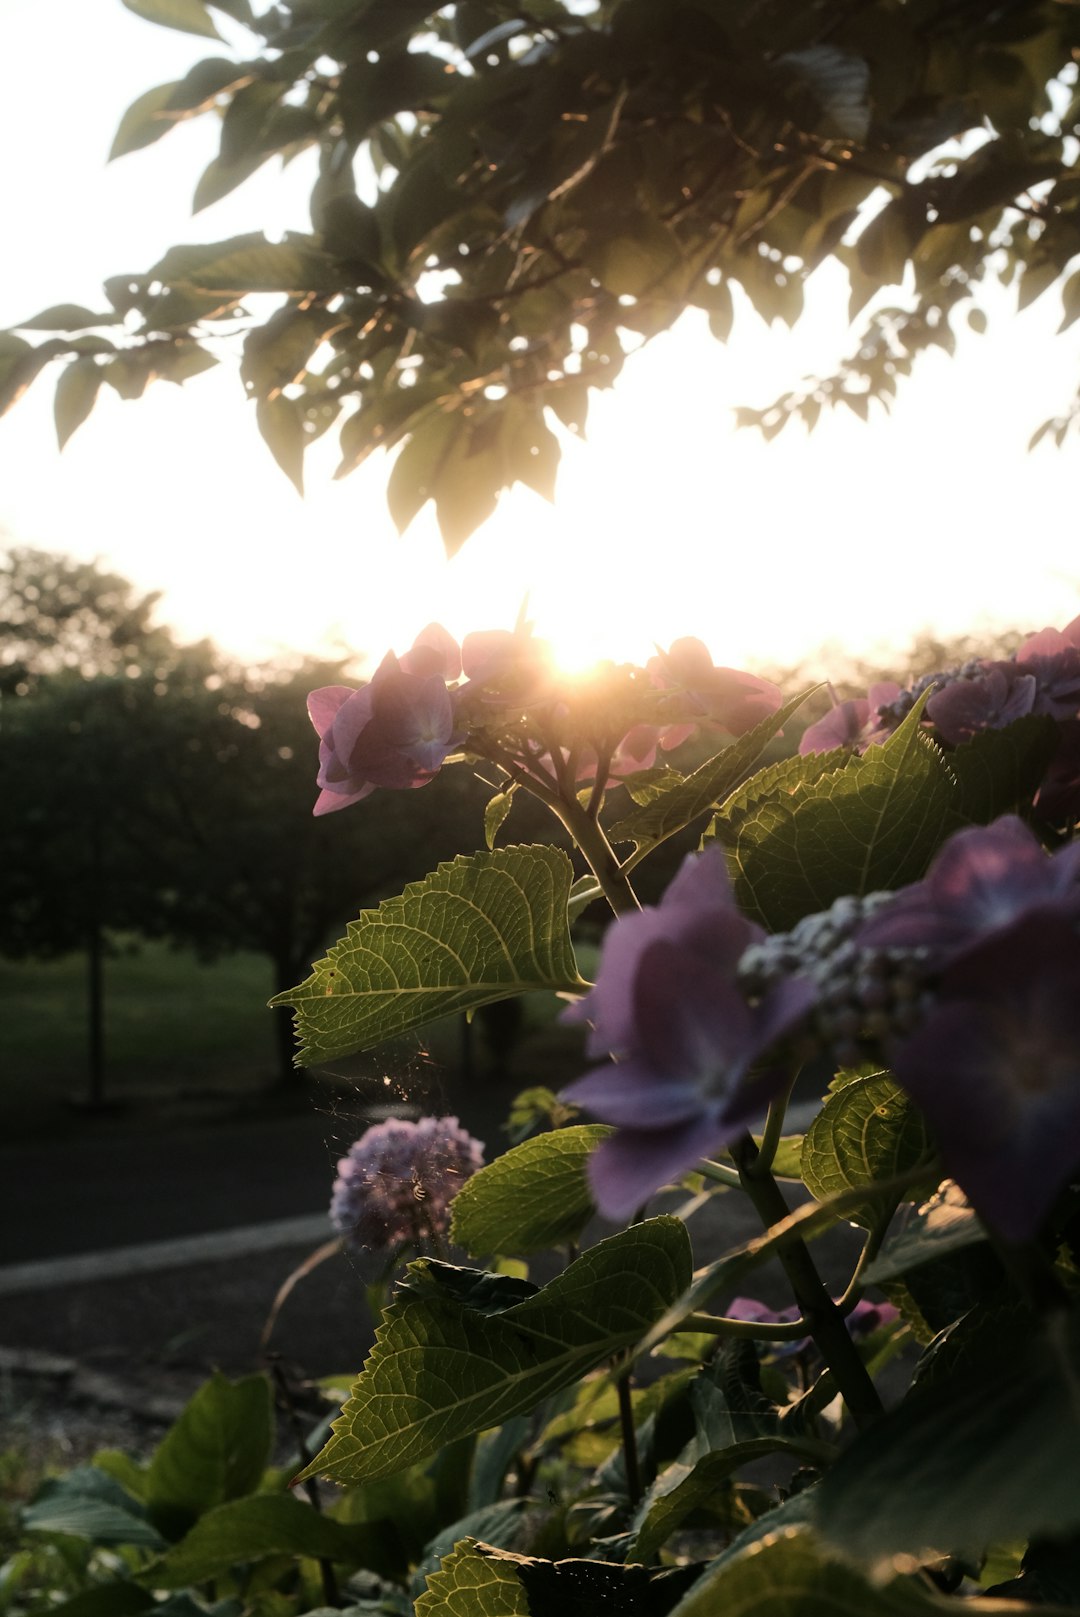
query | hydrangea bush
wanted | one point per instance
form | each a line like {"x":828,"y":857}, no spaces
{"x":888,"y":918}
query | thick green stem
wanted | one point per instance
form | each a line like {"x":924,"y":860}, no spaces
{"x":629,"y":1438}
{"x":590,"y":838}
{"x":824,"y":1321}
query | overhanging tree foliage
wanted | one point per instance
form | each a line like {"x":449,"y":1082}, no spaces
{"x":510,"y":199}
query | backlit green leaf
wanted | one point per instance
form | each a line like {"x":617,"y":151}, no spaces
{"x":441,"y":1369}
{"x":477,"y":929}
{"x":145,"y":121}
{"x":76,"y":390}
{"x":866,"y":1131}
{"x":711,"y":783}
{"x":873,"y":825}
{"x":532,"y":1197}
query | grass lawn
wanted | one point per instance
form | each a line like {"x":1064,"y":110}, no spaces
{"x":172,"y":1026}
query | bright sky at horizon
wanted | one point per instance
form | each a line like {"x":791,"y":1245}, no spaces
{"x":666,"y":522}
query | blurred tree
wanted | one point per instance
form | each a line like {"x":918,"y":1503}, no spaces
{"x":509,"y":199}
{"x":175,"y":802}
{"x":58,"y":614}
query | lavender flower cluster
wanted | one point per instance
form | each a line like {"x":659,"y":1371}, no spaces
{"x":1042,"y":676}
{"x":966,"y":984}
{"x":395,"y":1184}
{"x":397,"y":730}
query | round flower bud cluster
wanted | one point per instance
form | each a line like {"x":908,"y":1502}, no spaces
{"x":863,"y":994}
{"x":396,"y":1182}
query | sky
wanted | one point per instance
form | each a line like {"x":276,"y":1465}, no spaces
{"x":666,"y":522}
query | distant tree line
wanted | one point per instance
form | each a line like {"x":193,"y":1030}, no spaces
{"x":154,"y":790}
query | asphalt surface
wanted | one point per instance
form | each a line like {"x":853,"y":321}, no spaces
{"x":80,"y":1220}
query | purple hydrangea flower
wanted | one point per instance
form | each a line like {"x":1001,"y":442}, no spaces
{"x":998,"y":696}
{"x":1053,"y":657}
{"x":668,"y":1006}
{"x":857,"y":723}
{"x":395,"y":1185}
{"x":732,"y":700}
{"x":393,"y":732}
{"x":995,"y":1066}
{"x":865,"y":1318}
{"x":982,"y":881}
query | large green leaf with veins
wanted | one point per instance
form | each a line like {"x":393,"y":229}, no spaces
{"x":442,"y":1367}
{"x":873,"y":825}
{"x":532,"y":1197}
{"x":477,"y":929}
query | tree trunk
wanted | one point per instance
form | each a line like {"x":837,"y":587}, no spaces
{"x":95,"y":978}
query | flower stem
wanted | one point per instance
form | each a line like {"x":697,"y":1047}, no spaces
{"x":756,"y":1330}
{"x":824,"y":1321}
{"x":629,"y":1436}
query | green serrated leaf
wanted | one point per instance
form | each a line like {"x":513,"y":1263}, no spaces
{"x":188,"y":16}
{"x":533,"y":1197}
{"x":472,"y":1584}
{"x":867,"y":1131}
{"x":217,"y":1450}
{"x":775,"y":779}
{"x":76,"y":390}
{"x":873,"y":825}
{"x":478,"y":929}
{"x":250,"y":1529}
{"x":440,"y":1370}
{"x":976,"y":1460}
{"x":653,"y":823}
{"x":787,"y":1573}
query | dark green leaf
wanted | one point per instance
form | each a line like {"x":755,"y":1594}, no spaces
{"x":944,"y":1226}
{"x":217,"y":1450}
{"x":532,"y":1197}
{"x":788,"y":1574}
{"x":265,"y":1524}
{"x":440,"y":1370}
{"x":999,"y":771}
{"x":976,"y":1460}
{"x":88,"y":1504}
